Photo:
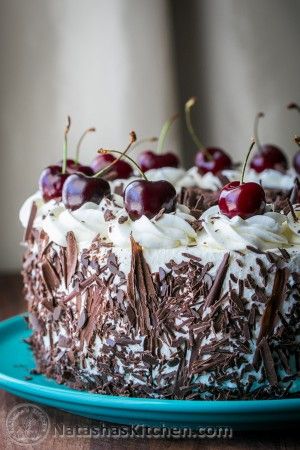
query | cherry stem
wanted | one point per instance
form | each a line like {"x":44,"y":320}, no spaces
{"x":256,"y":122}
{"x":164,"y":131}
{"x":104,"y":151}
{"x":188,"y":106}
{"x":142,"y":141}
{"x":246,"y":160}
{"x":294,"y":106}
{"x":65,"y":148}
{"x":89,"y":130}
{"x":297,"y":140}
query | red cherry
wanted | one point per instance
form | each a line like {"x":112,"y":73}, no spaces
{"x":212,"y":159}
{"x":269,"y":157}
{"x":80,"y":189}
{"x":150,"y":160}
{"x":121,"y":169}
{"x":147,"y":198}
{"x":51,"y":182}
{"x":244,"y":200}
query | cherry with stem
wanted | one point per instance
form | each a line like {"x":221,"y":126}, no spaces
{"x":53,"y":177}
{"x":269,"y":156}
{"x":80,"y":188}
{"x":144,"y":197}
{"x":156,"y":160}
{"x":243,"y":199}
{"x":208,"y":159}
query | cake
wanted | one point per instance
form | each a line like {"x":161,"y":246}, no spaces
{"x":169,"y":307}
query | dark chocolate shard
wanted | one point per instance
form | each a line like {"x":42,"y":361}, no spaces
{"x":50,"y":276}
{"x":82,"y":319}
{"x":268,"y":362}
{"x":71,"y":257}
{"x":215,"y":290}
{"x":32,"y":215}
{"x":270,"y":313}
{"x":141,"y":290}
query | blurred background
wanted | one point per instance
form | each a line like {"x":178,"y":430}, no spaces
{"x":130,"y":64}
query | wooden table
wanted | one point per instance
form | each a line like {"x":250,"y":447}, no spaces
{"x":11,"y":303}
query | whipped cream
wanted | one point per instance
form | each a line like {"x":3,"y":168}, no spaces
{"x":265,"y":231}
{"x":180,"y":178}
{"x":169,"y":231}
{"x":86,"y":222}
{"x":272,"y":179}
{"x":293,"y":226}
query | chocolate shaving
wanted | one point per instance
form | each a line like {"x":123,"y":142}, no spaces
{"x":273,"y":305}
{"x":71,"y":257}
{"x":268,"y":362}
{"x":32,"y":215}
{"x":50,"y":276}
{"x":218,"y":282}
{"x":82,"y":319}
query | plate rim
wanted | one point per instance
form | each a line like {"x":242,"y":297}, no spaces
{"x":140,"y":403}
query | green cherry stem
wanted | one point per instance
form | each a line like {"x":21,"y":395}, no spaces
{"x":164,"y":131}
{"x":246,"y":160}
{"x":256,"y":122}
{"x":187,"y":108}
{"x":89,"y":130}
{"x":294,"y":106}
{"x":65,"y":148}
{"x":103,"y":151}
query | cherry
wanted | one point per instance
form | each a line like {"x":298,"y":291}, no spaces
{"x":218,"y":160}
{"x":148,"y":198}
{"x":53,"y":177}
{"x":51,"y":182}
{"x":155,"y":160}
{"x":242,"y":199}
{"x":79,"y":189}
{"x":269,"y":156}
{"x":296,"y":159}
{"x":208,"y":159}
{"x":150,"y":160}
{"x":144,"y":197}
{"x":121,"y":169}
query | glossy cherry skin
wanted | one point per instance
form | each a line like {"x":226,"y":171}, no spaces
{"x":296,"y":162}
{"x":244,"y":200}
{"x":80,"y":189}
{"x":149,"y":160}
{"x":269,"y":157}
{"x":220,"y":161}
{"x":147,"y":198}
{"x":120,"y":170}
{"x":51,"y":182}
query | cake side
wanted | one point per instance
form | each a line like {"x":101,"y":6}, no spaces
{"x":175,"y":324}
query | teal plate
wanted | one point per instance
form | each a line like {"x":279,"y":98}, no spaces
{"x":16,"y":361}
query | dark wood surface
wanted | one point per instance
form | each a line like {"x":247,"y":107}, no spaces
{"x":11,"y":303}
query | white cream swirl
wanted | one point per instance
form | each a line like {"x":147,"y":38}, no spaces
{"x":86,"y":222}
{"x":207,"y":181}
{"x":169,"y":231}
{"x":265,"y":231}
{"x":293,"y":226}
{"x":271,"y":179}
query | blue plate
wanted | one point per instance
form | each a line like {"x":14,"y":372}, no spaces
{"x":16,"y":361}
